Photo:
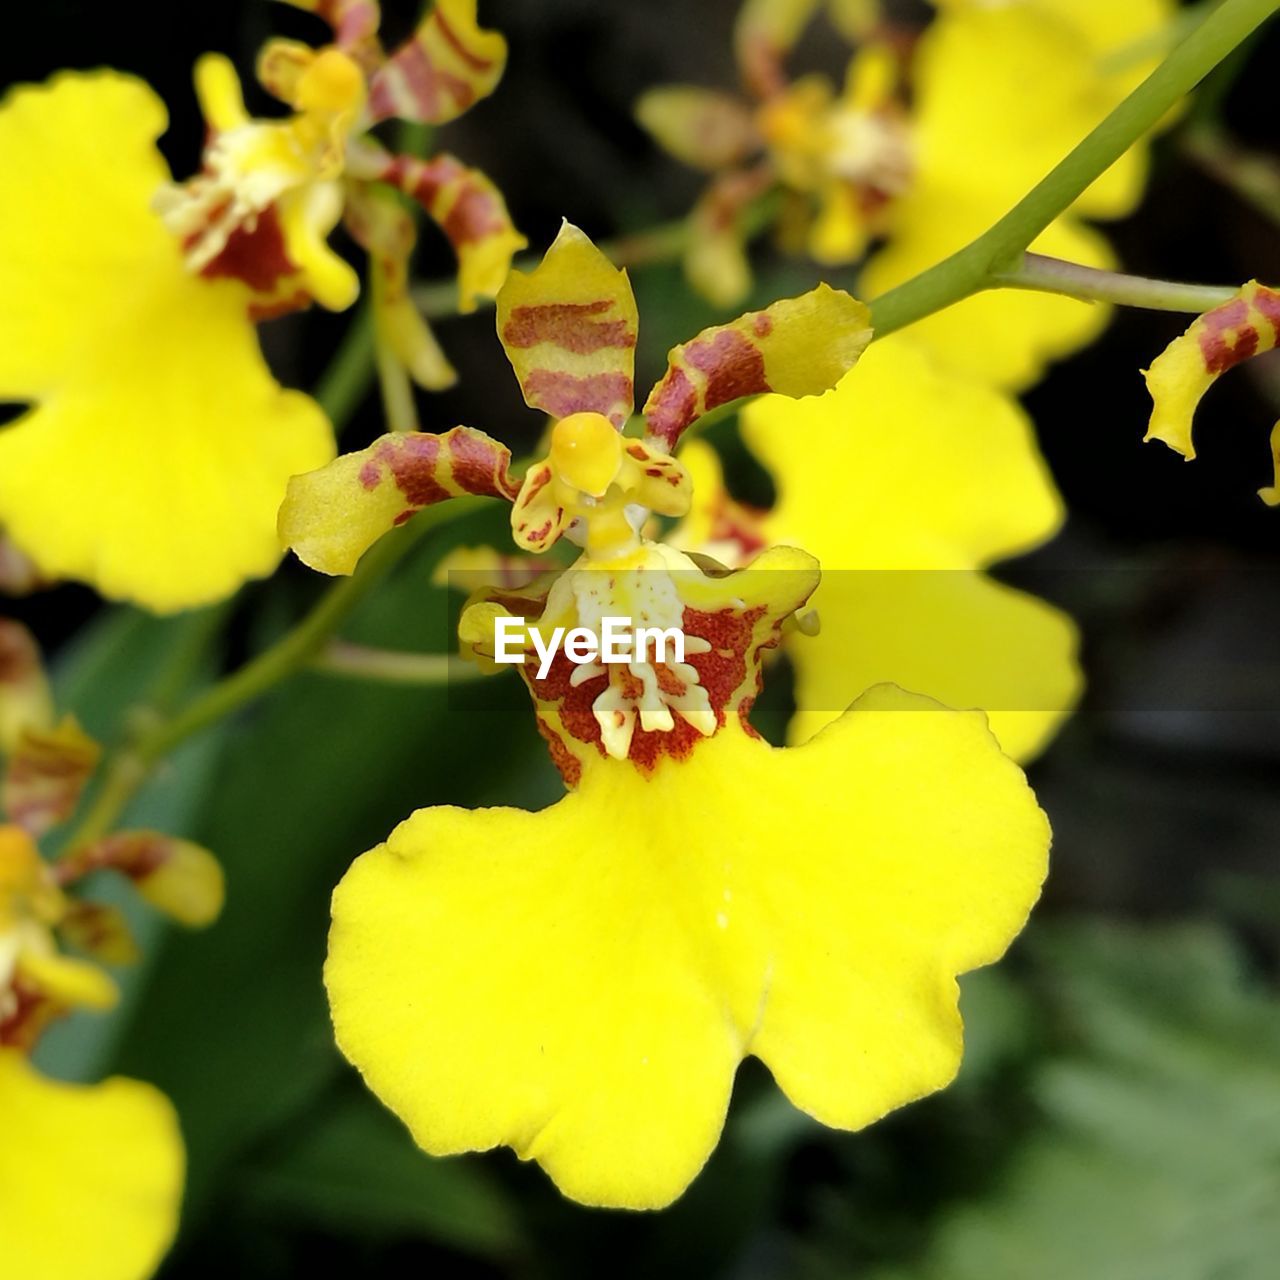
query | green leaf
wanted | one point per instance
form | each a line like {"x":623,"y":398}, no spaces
{"x":1158,"y":1153}
{"x":356,"y":1169}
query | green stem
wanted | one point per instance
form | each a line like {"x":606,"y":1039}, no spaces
{"x":1052,"y":275}
{"x":360,"y":662}
{"x":975,"y":267}
{"x":291,"y":653}
{"x":349,"y":375}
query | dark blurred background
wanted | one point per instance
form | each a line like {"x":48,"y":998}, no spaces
{"x":1119,"y":1111}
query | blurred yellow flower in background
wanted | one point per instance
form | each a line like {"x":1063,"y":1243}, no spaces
{"x":927,"y":144}
{"x":155,"y":455}
{"x":906,"y":482}
{"x":90,"y":1175}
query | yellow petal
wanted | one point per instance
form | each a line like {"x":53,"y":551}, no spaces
{"x":1109,"y":27}
{"x":581,"y":983}
{"x":569,"y":329}
{"x":68,"y":983}
{"x":958,"y":636}
{"x":904,"y":465}
{"x":332,"y":516}
{"x":704,"y":128}
{"x":1004,"y":93}
{"x":1271,"y":493}
{"x":796,"y":347}
{"x":904,"y":481}
{"x":839,"y":232}
{"x":157,"y":454}
{"x":1215,"y":342}
{"x":178,"y":877}
{"x":90,"y":1177}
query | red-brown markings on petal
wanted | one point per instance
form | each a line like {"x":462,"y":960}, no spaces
{"x":568,"y":325}
{"x":478,"y":467}
{"x":734,"y":367}
{"x":472,"y":59}
{"x":19,"y":654}
{"x":762,"y":324}
{"x":1267,"y":303}
{"x":1226,"y":336}
{"x":281,"y":306}
{"x":256,"y":256}
{"x":467,"y":207}
{"x":722,"y":672}
{"x":30,"y":1013}
{"x":536,"y":482}
{"x":352,"y":20}
{"x":561,"y":394}
{"x":565,"y":761}
{"x":672,"y":406}
{"x":412,"y":86}
{"x":429,"y":468}
{"x":412,"y":459}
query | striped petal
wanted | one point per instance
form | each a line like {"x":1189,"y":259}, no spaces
{"x":355,"y":22}
{"x":796,"y":347}
{"x":1217,"y":341}
{"x":470,"y":211}
{"x":332,"y":516}
{"x":569,"y":329}
{"x":445,"y":67}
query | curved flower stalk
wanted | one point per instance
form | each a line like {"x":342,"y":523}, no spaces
{"x":155,"y":454}
{"x":581,"y":983}
{"x":906,"y":481}
{"x":928,"y":142}
{"x":90,"y":1176}
{"x":1218,"y":340}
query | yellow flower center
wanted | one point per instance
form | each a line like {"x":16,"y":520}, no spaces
{"x":586,"y":452}
{"x":333,"y":83}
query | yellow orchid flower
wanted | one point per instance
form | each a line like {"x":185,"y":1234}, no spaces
{"x":155,"y":453}
{"x":1218,"y":340}
{"x":581,"y":983}
{"x":928,"y":143}
{"x":569,"y":329}
{"x":910,"y":481}
{"x":90,"y":1175}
